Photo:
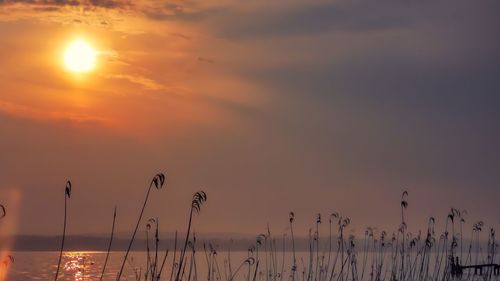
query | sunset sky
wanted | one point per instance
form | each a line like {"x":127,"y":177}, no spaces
{"x":267,"y":106}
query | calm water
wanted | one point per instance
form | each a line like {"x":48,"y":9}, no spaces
{"x":79,"y":266}
{"x":74,"y":266}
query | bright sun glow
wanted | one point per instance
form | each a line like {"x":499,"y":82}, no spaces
{"x":80,"y":57}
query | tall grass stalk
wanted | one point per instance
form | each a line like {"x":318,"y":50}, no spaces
{"x":157,"y":182}
{"x":67,"y":195}
{"x":198,"y":199}
{"x":109,"y":245}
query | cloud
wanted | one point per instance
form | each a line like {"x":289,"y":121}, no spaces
{"x":129,"y":17}
{"x":180,"y":35}
{"x":108,"y":14}
{"x":111,"y":4}
{"x":205,"y":60}
{"x":337,"y":96}
{"x":25,"y":112}
{"x":92,"y":13}
{"x":310,"y":19}
{"x":147,"y":83}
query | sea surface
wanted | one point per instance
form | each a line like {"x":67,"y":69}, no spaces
{"x":75,"y":266}
{"x":80,"y":266}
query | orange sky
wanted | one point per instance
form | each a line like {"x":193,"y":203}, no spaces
{"x":311,"y":107}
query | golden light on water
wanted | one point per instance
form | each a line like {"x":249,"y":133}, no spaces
{"x":78,"y":264}
{"x":80,"y":57}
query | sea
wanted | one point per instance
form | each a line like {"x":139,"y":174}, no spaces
{"x":80,"y":266}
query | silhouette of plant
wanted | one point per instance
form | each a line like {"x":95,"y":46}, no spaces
{"x":3,"y":211}
{"x":294,"y":265}
{"x":198,"y":199}
{"x":67,"y":195}
{"x":109,"y":245}
{"x":158,"y":181}
{"x":404,"y":205}
{"x":405,"y":256}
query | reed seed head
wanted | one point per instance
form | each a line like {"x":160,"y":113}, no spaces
{"x":68,"y":189}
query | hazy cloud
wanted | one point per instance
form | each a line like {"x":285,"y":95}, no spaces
{"x":25,"y":112}
{"x":147,"y":83}
{"x":294,"y":105}
{"x":85,"y":3}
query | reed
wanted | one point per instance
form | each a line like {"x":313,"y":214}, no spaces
{"x":3,"y":211}
{"x":67,"y":195}
{"x":158,"y":182}
{"x":379,"y":255}
{"x":109,"y":245}
{"x":198,"y":199}
{"x":404,"y":205}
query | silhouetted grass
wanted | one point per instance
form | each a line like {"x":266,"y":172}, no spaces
{"x":198,"y":199}
{"x":381,"y":256}
{"x":158,"y":182}
{"x":3,"y":211}
{"x":67,"y":195}
{"x":109,"y":245}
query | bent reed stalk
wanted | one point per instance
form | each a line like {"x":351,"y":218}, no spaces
{"x":67,"y":195}
{"x":157,"y":181}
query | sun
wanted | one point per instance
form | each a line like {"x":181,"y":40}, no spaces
{"x":80,"y":57}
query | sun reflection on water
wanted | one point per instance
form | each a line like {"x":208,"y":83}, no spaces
{"x":77,"y":264}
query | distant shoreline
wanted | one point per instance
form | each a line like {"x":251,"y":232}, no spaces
{"x":85,"y":243}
